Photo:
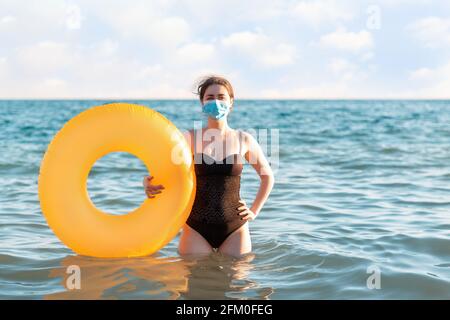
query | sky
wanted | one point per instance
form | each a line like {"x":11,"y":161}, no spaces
{"x":284,"y":49}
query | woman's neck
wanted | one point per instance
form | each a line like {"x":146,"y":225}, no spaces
{"x":221,"y":125}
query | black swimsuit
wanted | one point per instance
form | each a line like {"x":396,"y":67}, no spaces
{"x":215,"y":211}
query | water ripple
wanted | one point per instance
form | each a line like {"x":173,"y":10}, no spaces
{"x":359,"y":184}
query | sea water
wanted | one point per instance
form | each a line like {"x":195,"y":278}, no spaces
{"x":360,"y":208}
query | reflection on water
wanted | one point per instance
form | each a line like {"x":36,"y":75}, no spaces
{"x":214,"y":276}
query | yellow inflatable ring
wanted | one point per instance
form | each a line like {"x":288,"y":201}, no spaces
{"x":62,"y":183}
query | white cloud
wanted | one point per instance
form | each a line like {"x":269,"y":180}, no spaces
{"x":316,"y":13}
{"x":347,"y":40}
{"x":261,"y":48}
{"x":434,"y":32}
{"x":437,"y":82}
{"x":345,"y":70}
{"x":32,"y":20}
{"x":164,"y":32}
{"x":339,"y":65}
{"x":207,"y":13}
{"x":7,"y":19}
{"x":367,"y":56}
{"x":150,"y":71}
{"x":3,"y":67}
{"x":105,"y":48}
{"x":326,"y":90}
{"x":157,"y":48}
{"x":146,"y":21}
{"x":44,"y":57}
{"x":396,"y":3}
{"x":164,"y":90}
{"x":49,"y":87}
{"x":63,"y":70}
{"x":195,"y":52}
{"x":421,"y":74}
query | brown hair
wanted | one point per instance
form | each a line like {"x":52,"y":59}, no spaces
{"x":210,"y":80}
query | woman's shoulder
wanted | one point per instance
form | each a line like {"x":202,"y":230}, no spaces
{"x":247,"y":141}
{"x":245,"y":136}
{"x":192,"y":132}
{"x":189,"y":132}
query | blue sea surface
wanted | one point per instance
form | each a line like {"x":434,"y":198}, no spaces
{"x":362,"y":189}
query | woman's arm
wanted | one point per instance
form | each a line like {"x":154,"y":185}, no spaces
{"x":150,"y":189}
{"x":255,"y":156}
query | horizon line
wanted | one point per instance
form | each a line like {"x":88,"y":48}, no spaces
{"x":236,"y":99}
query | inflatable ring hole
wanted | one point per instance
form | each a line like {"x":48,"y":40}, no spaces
{"x":115,"y":183}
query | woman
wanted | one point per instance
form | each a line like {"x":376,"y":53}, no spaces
{"x":219,"y":218}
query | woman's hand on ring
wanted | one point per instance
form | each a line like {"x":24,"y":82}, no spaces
{"x":150,"y":189}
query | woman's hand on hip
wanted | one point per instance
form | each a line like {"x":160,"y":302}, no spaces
{"x":245,"y":212}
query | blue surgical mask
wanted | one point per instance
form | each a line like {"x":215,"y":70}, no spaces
{"x":216,"y":109}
